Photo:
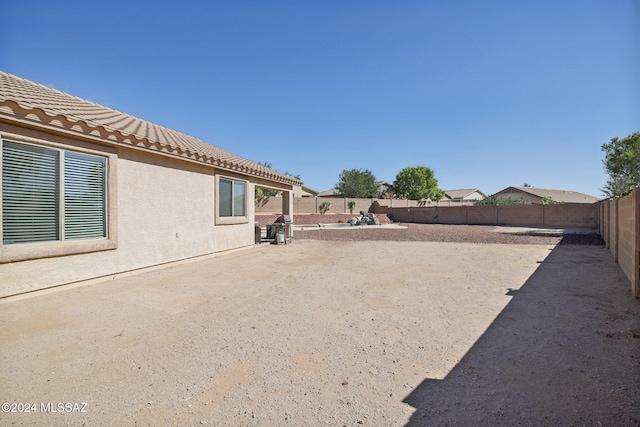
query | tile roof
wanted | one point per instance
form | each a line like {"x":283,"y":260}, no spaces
{"x":329,"y":193}
{"x":461,"y":194}
{"x":563,"y":196}
{"x":117,"y":127}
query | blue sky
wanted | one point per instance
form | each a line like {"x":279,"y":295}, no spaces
{"x":486,"y":93}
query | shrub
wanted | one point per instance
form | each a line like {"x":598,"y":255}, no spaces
{"x":324,"y":207}
{"x":497,"y":200}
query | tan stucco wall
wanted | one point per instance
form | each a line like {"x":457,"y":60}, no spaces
{"x":165,"y":212}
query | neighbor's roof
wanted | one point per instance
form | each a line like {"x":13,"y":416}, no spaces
{"x":310,"y":190}
{"x":329,"y":193}
{"x":462,"y":194}
{"x":25,"y":101}
{"x":563,"y":196}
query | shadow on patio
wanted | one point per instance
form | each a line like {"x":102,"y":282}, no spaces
{"x":564,"y":351}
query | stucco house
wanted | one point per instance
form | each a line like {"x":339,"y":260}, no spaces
{"x":471,"y":194}
{"x":304,"y":191}
{"x":88,"y":191}
{"x":332,"y":192}
{"x":536,"y":195}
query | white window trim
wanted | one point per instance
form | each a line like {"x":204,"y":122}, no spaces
{"x":227,"y":220}
{"x":35,"y":250}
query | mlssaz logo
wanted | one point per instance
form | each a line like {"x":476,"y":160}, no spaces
{"x":63,"y":407}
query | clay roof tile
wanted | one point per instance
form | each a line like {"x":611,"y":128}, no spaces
{"x":30,"y":96}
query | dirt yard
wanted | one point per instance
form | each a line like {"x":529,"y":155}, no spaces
{"x":337,"y":333}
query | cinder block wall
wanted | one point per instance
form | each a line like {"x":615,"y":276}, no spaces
{"x":482,"y":215}
{"x":620,"y":228}
{"x":567,"y":215}
{"x":314,"y":219}
{"x":626,"y":243}
{"x":521,"y":214}
{"x":571,"y":213}
{"x":300,"y":204}
{"x":309,"y":205}
{"x":452,"y":215}
{"x":560,"y":215}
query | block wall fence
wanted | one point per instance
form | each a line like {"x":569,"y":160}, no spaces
{"x":339,"y":205}
{"x":620,"y":229}
{"x":566,"y":215}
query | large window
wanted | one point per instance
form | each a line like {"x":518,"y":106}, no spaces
{"x":232,"y":197}
{"x":51,"y":195}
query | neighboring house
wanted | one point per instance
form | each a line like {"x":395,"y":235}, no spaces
{"x":536,"y":195}
{"x":384,"y":189}
{"x":472,"y":194}
{"x":90,"y":192}
{"x":303,"y":191}
{"x":329,"y":193}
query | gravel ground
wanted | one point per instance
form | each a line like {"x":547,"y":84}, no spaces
{"x":449,"y":233}
{"x":341,"y":333}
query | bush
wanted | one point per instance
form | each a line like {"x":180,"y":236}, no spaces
{"x":497,"y":200}
{"x":324,"y":207}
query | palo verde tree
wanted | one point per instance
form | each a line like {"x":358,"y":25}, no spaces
{"x":357,"y":183}
{"x":417,"y":183}
{"x":622,"y":163}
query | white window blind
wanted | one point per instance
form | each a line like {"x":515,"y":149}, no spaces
{"x":84,"y":201}
{"x":30,"y":188}
{"x":50,"y":194}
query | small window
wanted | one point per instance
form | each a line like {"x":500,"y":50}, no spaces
{"x":232,"y":196}
{"x":51,"y":195}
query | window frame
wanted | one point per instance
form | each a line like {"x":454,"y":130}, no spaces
{"x":52,"y":248}
{"x":233,"y":218}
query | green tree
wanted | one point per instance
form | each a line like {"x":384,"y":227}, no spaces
{"x":622,"y":163}
{"x":262,"y":194}
{"x":497,"y":200}
{"x":357,"y":183}
{"x":417,"y":183}
{"x":549,"y":201}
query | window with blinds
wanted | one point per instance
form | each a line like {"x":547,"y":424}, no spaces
{"x":50,"y":195}
{"x":84,"y":196}
{"x":232,"y":197}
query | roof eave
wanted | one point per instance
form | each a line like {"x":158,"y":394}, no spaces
{"x":70,"y":126}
